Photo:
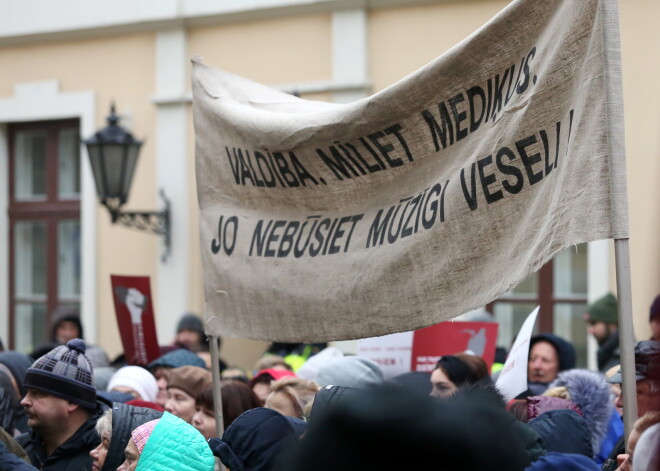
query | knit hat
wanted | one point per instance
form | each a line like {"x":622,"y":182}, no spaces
{"x":655,"y":309}
{"x":350,"y":371}
{"x":190,"y":379}
{"x":604,"y":310}
{"x":142,"y":433}
{"x":66,"y":373}
{"x":177,"y":358}
{"x":65,"y":314}
{"x":136,"y":378}
{"x":191,"y":322}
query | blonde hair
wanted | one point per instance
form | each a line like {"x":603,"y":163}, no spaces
{"x":299,"y":391}
{"x":104,"y":425}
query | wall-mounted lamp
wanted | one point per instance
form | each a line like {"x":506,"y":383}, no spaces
{"x":113,"y":154}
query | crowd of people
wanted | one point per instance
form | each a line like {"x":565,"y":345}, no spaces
{"x":68,"y":408}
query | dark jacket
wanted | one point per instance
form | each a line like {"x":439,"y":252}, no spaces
{"x":609,"y":354}
{"x":9,"y":461}
{"x":563,"y":462}
{"x":72,"y":455}
{"x":125,"y":419}
{"x":564,"y":431}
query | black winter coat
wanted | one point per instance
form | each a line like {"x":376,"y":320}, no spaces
{"x":72,"y":455}
{"x":125,"y":419}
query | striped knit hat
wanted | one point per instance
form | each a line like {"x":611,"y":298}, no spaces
{"x":65,"y":372}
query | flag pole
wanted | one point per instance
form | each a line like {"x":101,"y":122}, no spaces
{"x":626,"y":333}
{"x":217,"y":396}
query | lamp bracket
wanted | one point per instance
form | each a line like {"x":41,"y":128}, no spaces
{"x":156,"y":222}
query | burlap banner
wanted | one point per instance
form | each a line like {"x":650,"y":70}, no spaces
{"x":428,"y":199}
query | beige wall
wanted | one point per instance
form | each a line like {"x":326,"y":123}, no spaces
{"x":119,"y":68}
{"x":640,"y":44}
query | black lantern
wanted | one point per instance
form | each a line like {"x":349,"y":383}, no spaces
{"x":113,"y":154}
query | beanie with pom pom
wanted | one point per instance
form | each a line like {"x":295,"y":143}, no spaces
{"x":65,"y":372}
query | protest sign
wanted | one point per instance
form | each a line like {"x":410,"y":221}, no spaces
{"x":323,"y":221}
{"x":513,"y":377}
{"x":135,"y":317}
{"x":420,"y":350}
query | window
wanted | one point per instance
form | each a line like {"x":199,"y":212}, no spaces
{"x":560,"y":288}
{"x":44,"y":227}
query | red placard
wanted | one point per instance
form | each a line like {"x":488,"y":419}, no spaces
{"x":450,"y":338}
{"x":135,"y":317}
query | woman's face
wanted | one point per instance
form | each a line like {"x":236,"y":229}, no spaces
{"x":204,"y":421}
{"x":442,"y":386}
{"x":181,"y":404}
{"x":99,"y":453}
{"x":132,"y":457}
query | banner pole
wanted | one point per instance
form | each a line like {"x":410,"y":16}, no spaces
{"x":626,"y":333}
{"x":217,"y":395}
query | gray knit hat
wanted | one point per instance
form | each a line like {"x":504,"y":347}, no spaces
{"x":65,"y":372}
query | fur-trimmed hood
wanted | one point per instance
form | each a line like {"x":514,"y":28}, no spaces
{"x":591,"y":393}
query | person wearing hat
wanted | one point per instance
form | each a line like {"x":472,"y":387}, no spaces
{"x":647,"y":376}
{"x":162,"y":366}
{"x":62,"y":409}
{"x":603,"y":323}
{"x":167,"y":444}
{"x":185,"y":385}
{"x":654,"y":318}
{"x":548,"y":355}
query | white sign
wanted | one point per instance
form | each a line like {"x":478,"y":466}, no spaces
{"x":513,"y":377}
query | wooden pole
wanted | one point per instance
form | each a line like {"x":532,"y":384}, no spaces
{"x":626,"y":334}
{"x":217,"y":395}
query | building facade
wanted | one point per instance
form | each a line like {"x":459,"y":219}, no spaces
{"x":64,"y":63}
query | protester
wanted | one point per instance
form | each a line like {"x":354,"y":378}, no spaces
{"x":450,"y":373}
{"x":167,"y":444}
{"x":615,"y":388}
{"x":261,"y":382}
{"x":62,"y":409}
{"x":290,"y":396}
{"x":654,"y":319}
{"x":185,"y":384}
{"x":237,"y":397}
{"x":135,"y":381}
{"x":641,"y":425}
{"x":351,"y":372}
{"x":591,"y":393}
{"x":9,"y":404}
{"x":190,"y":333}
{"x":258,"y":440}
{"x":647,"y":375}
{"x":554,"y":461}
{"x":114,"y":428}
{"x":603,"y":323}
{"x":163,"y":365}
{"x":548,"y":355}
{"x":389,"y":428}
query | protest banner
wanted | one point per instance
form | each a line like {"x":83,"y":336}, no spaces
{"x":323,"y":221}
{"x":513,"y":377}
{"x":420,"y":350}
{"x":135,"y":317}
